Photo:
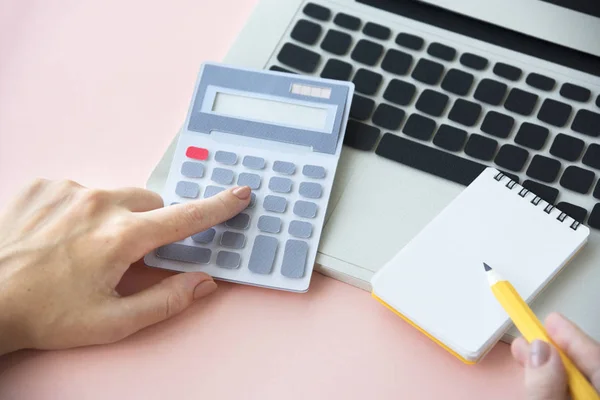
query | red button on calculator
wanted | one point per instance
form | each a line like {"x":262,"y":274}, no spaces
{"x":196,"y":153}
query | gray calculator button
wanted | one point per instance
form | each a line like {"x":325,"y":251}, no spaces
{"x":226,"y":157}
{"x":311,"y":190}
{"x":222,"y":176}
{"x":305,"y":209}
{"x":192,"y":169}
{"x":188,"y":190}
{"x":263,"y":254}
{"x":280,"y":185}
{"x":204,"y":237}
{"x":240,"y":221}
{"x":253,"y":162}
{"x":294,"y":259}
{"x":300,"y":229}
{"x":233,"y":240}
{"x":252,"y":200}
{"x":284,"y":167}
{"x":313,"y":171}
{"x":212,"y":190}
{"x":275,"y":204}
{"x":227,"y":259}
{"x":180,"y":252}
{"x":246,"y":179}
{"x":269,"y":224}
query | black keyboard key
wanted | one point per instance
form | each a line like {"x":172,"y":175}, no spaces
{"x":587,"y":122}
{"x":457,"y":82}
{"x":279,"y":69}
{"x":336,"y":42}
{"x":511,"y":157}
{"x":594,"y":220}
{"x":450,"y":138}
{"x":473,"y":61}
{"x":347,"y":21}
{"x":546,"y":193}
{"x":497,"y":124}
{"x":419,"y":127}
{"x":543,"y":168}
{"x":490,"y":91}
{"x":532,"y":136}
{"x":598,"y":100}
{"x":573,"y":211}
{"x":567,"y":147}
{"x":388,"y":117}
{"x":361,"y":136}
{"x":520,"y":101}
{"x":596,"y":193}
{"x":377,"y":31}
{"x":336,"y":69}
{"x":400,"y":92}
{"x":554,"y":112}
{"x":306,"y":32}
{"x":366,"y":82}
{"x":429,"y":159}
{"x":481,"y":147}
{"x":465,"y":112}
{"x":574,"y":92}
{"x":428,"y":71}
{"x":361,"y":108}
{"x":592,"y":156}
{"x":510,"y":175}
{"x":318,"y":12}
{"x":432,"y":103}
{"x":441,"y":51}
{"x":540,"y":81}
{"x":397,"y":62}
{"x":409,"y":41}
{"x":507,"y":71}
{"x":298,"y":57}
{"x":367,"y":52}
{"x":577,"y":179}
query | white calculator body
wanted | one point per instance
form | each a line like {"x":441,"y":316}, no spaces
{"x":281,"y":135}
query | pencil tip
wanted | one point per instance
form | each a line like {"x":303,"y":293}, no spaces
{"x":487,"y":267}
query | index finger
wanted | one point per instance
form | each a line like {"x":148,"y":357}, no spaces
{"x":177,"y":222}
{"x":579,"y":347}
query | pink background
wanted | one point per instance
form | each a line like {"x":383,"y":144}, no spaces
{"x":94,"y":92}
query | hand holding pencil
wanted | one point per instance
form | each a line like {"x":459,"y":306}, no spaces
{"x":559,"y":359}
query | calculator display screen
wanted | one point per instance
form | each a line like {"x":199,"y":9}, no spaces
{"x":270,"y":111}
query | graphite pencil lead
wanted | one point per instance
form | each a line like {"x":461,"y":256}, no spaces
{"x":487,"y":267}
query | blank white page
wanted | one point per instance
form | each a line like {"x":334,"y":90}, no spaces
{"x":438,"y":282}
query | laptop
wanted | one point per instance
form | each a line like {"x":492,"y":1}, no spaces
{"x":443,"y":89}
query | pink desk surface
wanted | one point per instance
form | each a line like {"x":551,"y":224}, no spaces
{"x":94,"y":92}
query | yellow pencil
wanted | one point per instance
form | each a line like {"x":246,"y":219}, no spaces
{"x":532,"y":329}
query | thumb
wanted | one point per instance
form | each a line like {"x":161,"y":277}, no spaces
{"x":162,"y":301}
{"x":545,"y":377}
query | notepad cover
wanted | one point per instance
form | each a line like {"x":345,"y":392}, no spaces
{"x":437,"y":281}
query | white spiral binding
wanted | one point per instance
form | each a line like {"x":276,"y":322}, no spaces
{"x":511,"y":184}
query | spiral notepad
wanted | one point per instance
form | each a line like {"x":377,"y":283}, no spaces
{"x":437,"y":283}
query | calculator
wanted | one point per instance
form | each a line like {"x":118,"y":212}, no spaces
{"x":281,"y":134}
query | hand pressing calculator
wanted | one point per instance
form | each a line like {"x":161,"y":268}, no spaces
{"x":281,"y":134}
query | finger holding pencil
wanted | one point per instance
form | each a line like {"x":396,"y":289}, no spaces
{"x":532,"y":330}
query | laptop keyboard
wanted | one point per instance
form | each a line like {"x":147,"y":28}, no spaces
{"x":430,"y":106}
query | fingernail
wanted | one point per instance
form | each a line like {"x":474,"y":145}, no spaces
{"x":242,"y":192}
{"x":204,"y":288}
{"x":539,"y":353}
